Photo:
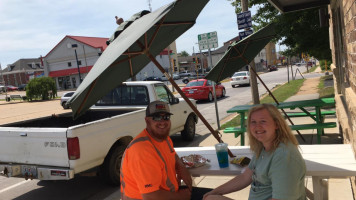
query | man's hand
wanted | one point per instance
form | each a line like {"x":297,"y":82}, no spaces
{"x":183,"y":173}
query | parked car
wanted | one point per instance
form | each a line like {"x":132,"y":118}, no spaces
{"x":2,"y":88}
{"x":192,"y":77}
{"x":11,"y":88}
{"x":272,"y":68}
{"x":240,"y":78}
{"x":22,"y":87}
{"x":174,"y":76}
{"x":65,"y":97}
{"x":310,"y":64}
{"x":185,"y":74}
{"x":202,"y":89}
{"x":153,"y":78}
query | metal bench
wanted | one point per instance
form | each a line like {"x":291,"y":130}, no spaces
{"x":16,"y":97}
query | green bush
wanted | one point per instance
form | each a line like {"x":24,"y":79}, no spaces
{"x":322,"y":65}
{"x":43,"y":88}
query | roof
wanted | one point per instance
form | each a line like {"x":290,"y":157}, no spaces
{"x":24,"y":64}
{"x":222,"y":49}
{"x":95,"y":42}
{"x":294,"y":5}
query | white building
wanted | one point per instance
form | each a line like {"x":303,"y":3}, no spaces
{"x":61,"y":62}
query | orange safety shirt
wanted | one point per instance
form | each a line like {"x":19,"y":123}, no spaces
{"x":147,"y":166}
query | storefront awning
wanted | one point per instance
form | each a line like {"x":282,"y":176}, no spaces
{"x":285,"y":6}
{"x":68,"y":72}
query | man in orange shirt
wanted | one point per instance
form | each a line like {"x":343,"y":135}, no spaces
{"x":150,"y":167}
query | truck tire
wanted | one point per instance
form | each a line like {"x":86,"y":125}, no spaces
{"x":110,"y":169}
{"x":189,"y":129}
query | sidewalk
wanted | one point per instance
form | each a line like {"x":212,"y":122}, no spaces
{"x":338,"y":188}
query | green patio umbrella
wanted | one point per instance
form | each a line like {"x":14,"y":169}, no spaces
{"x":241,"y":53}
{"x":131,"y":49}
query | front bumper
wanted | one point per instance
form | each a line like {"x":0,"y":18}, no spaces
{"x":36,"y":172}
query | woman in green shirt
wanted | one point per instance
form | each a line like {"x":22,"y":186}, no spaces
{"x":277,"y":169}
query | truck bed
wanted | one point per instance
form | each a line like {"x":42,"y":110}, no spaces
{"x":66,"y":120}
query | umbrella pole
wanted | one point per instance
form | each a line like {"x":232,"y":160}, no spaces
{"x":216,"y":134}
{"x":274,"y":98}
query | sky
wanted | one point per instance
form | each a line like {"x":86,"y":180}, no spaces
{"x":31,"y":28}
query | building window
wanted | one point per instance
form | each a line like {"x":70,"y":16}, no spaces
{"x":69,"y":64}
{"x":79,"y":62}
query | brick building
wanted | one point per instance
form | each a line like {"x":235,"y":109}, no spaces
{"x":22,"y":71}
{"x":343,"y":46}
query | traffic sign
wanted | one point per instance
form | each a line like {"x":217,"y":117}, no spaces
{"x":244,"y":20}
{"x":208,"y":40}
{"x":245,"y":34}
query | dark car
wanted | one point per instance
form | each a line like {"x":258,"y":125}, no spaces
{"x":272,"y":68}
{"x":22,"y":87}
{"x":152,"y":78}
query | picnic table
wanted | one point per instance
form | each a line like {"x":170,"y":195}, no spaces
{"x":322,"y":163}
{"x":317,"y":116}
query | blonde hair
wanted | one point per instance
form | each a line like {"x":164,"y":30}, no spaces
{"x":283,"y":132}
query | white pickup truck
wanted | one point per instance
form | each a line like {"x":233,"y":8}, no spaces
{"x":57,"y":147}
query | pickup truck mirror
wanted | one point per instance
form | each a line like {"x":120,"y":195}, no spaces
{"x":175,"y":100}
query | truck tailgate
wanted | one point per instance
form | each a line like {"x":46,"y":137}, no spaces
{"x":36,"y":146}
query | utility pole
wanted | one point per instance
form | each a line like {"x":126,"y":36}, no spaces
{"x":253,"y":79}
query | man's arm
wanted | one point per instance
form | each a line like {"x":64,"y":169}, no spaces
{"x":183,"y":173}
{"x":182,"y":194}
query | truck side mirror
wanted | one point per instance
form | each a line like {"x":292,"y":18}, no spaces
{"x":175,"y":100}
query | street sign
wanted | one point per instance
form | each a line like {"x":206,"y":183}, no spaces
{"x":208,"y":40}
{"x":244,"y":20}
{"x":245,"y":34}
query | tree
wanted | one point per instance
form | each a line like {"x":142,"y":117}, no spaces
{"x":43,"y":88}
{"x":299,"y":31}
{"x":184,"y":53}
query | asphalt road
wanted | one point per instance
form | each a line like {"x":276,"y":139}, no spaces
{"x":91,"y":187}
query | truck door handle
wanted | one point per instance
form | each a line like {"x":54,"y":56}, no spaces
{"x":23,"y":134}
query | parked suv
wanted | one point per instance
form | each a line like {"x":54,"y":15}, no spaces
{"x":65,"y":97}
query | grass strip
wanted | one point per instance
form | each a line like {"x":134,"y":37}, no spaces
{"x":326,"y":92}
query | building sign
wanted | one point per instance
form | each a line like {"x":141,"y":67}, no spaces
{"x":208,"y":40}
{"x":244,"y":20}
{"x":245,"y":34}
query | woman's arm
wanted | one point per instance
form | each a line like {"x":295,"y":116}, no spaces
{"x":239,"y":182}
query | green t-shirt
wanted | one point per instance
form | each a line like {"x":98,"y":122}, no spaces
{"x":279,"y":174}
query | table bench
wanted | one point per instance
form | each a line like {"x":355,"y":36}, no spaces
{"x":318,"y":116}
{"x":322,"y":163}
{"x":238,"y":132}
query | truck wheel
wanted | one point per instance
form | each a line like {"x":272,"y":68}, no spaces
{"x":189,"y":129}
{"x":110,"y":169}
{"x":223,"y":93}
